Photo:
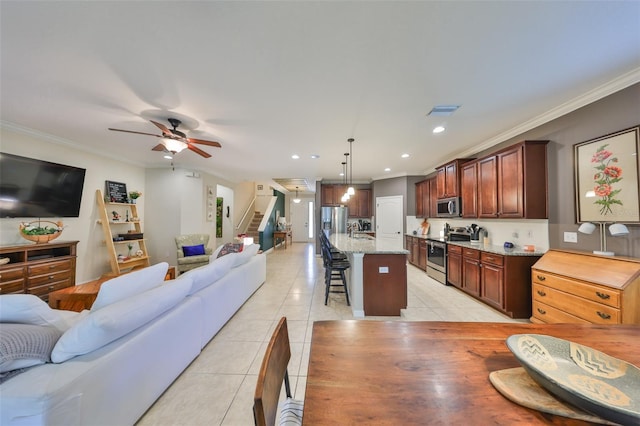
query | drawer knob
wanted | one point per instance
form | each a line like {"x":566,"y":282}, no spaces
{"x":51,"y":287}
{"x":542,"y":277}
{"x":542,"y":293}
{"x":604,"y":315}
{"x":542,"y":311}
{"x":51,"y":266}
{"x":603,"y":295}
{"x":51,"y":277}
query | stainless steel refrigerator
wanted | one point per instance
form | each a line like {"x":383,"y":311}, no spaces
{"x":334,"y":219}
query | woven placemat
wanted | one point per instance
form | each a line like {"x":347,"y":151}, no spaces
{"x":517,"y":386}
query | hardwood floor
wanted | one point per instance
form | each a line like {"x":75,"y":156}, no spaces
{"x":217,"y":388}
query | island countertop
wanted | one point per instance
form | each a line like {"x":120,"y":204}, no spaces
{"x":365,"y":244}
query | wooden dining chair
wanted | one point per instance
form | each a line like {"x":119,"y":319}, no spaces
{"x":273,"y":373}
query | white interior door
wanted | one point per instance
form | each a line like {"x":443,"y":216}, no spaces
{"x":300,"y":220}
{"x":389,"y":219}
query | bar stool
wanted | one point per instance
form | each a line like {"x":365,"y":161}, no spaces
{"x":334,"y":270}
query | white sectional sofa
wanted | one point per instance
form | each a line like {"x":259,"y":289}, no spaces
{"x":115,"y":383}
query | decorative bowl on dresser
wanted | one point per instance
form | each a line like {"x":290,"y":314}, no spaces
{"x":577,"y":287}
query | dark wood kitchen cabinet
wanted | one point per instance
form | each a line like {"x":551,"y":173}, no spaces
{"x":492,"y":277}
{"x":454,"y":265}
{"x":423,"y":199}
{"x":360,"y":203}
{"x":511,"y":183}
{"x":422,"y":253}
{"x":448,"y":178}
{"x":468,"y":187}
{"x":471,"y":271}
{"x":332,"y":194}
{"x":433,"y":197}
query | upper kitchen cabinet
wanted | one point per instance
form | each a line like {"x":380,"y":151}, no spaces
{"x":512,"y":183}
{"x":423,"y":198}
{"x":360,"y":203}
{"x":433,"y":196}
{"x":448,"y":179}
{"x":332,"y":194}
{"x":468,"y":185}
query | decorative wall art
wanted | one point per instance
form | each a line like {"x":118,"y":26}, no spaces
{"x":606,"y":178}
{"x":116,"y":192}
{"x":211,"y":208}
{"x":219,"y":217}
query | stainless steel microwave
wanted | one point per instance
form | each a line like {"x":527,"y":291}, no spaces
{"x":449,"y":207}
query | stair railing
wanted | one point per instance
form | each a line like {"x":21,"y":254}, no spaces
{"x":243,"y":224}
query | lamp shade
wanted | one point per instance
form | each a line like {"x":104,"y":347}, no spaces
{"x":173,"y":145}
{"x":587,"y":228}
{"x":618,"y":229}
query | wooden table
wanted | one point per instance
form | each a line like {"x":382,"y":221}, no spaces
{"x":417,"y":373}
{"x":80,"y":297}
{"x":281,"y":235}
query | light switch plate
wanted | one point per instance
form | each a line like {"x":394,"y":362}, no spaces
{"x":383,"y":270}
{"x":570,"y":237}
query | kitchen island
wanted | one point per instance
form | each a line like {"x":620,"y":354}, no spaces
{"x":377,"y":278}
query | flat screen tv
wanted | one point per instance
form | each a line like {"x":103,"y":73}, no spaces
{"x":36,"y":188}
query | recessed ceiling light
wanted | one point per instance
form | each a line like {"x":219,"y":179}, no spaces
{"x":438,"y":129}
{"x":168,"y":157}
{"x":315,"y":156}
{"x":295,"y":156}
{"x":387,"y":169}
{"x":405,"y":155}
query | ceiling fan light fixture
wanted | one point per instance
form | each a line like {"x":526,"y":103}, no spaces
{"x":173,"y":145}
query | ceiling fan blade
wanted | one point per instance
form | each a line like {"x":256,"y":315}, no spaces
{"x":198,"y":151}
{"x":159,"y":147}
{"x":162,"y":127}
{"x":204,"y":142}
{"x":138,"y":133}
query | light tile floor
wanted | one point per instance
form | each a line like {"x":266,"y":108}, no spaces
{"x":217,"y":388}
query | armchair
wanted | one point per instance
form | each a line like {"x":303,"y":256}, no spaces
{"x":195,"y":256}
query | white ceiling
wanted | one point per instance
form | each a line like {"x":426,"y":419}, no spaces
{"x":272,"y":79}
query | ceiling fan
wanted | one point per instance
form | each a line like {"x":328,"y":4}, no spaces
{"x":173,"y":140}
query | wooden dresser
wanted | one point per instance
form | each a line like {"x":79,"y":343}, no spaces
{"x":38,"y":268}
{"x":576,"y":287}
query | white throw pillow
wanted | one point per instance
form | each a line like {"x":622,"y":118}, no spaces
{"x":30,"y":309}
{"x":245,"y":255}
{"x":128,"y":285}
{"x":118,"y":319}
{"x":208,"y":274}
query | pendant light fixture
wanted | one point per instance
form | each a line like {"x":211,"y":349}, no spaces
{"x":345,"y":196}
{"x":297,"y":199}
{"x":351,"y":191}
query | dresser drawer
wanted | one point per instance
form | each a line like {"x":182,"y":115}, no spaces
{"x":596,"y":313}
{"x":15,"y":286}
{"x":549,"y":314}
{"x":47,"y":288}
{"x":48,"y":278}
{"x":605,"y":295}
{"x":49,"y":267}
{"x":493,"y":259}
{"x":11,"y":274}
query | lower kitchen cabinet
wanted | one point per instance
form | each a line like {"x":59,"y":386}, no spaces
{"x":454,"y":265}
{"x":578,"y":287}
{"x":417,"y":251}
{"x":422,"y":253}
{"x":471,"y":271}
{"x":500,"y":281}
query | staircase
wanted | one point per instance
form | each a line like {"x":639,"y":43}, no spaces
{"x":252,"y":230}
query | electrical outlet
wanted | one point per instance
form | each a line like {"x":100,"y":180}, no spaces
{"x":570,"y":237}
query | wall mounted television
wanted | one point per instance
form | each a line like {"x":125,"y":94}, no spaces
{"x":36,"y":188}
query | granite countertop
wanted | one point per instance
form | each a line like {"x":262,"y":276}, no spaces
{"x":363,"y":243}
{"x":425,"y":237}
{"x":516,"y":251}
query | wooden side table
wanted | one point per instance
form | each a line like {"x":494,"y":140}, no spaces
{"x":280,"y":235}
{"x":82,"y":296}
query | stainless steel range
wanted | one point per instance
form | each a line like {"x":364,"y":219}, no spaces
{"x":437,"y":252}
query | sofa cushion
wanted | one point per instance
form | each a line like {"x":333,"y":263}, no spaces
{"x":208,"y":274}
{"x":26,"y":345}
{"x":196,"y":250}
{"x":128,"y":285}
{"x":245,"y":255}
{"x":229,"y":248}
{"x":118,"y":319}
{"x":30,"y":309}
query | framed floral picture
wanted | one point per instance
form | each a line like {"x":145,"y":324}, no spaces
{"x":606,"y":178}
